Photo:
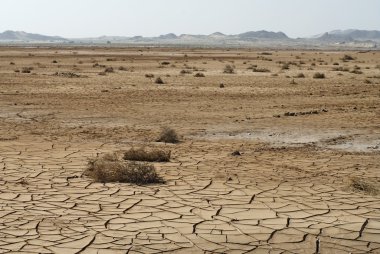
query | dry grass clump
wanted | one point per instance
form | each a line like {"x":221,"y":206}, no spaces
{"x":340,"y":68}
{"x":159,"y":81}
{"x":186,"y":72}
{"x":109,"y":70}
{"x":229,"y":69}
{"x":260,"y":70}
{"x":300,"y":75}
{"x":149,"y":75}
{"x":319,"y":75}
{"x":168,"y":135}
{"x":141,"y":154}
{"x":122,"y":68}
{"x":199,"y":75}
{"x":109,"y":169}
{"x":26,"y":69}
{"x":285,"y":66}
{"x":347,"y":58}
{"x":364,"y":185}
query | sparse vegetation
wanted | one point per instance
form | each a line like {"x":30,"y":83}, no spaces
{"x":285,"y":66}
{"x":319,"y":75}
{"x":109,"y":168}
{"x":186,"y":72}
{"x":109,"y":70}
{"x":252,"y":66}
{"x":159,"y":81}
{"x":168,"y":135}
{"x":141,"y":154}
{"x":149,"y":75}
{"x":199,"y":75}
{"x":364,"y":185}
{"x":300,"y":75}
{"x":26,"y":69}
{"x":122,"y":68}
{"x":346,"y":58}
{"x":260,"y":70}
{"x":340,"y":68}
{"x":229,"y":69}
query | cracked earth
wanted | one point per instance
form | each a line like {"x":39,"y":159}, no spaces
{"x":288,"y":191}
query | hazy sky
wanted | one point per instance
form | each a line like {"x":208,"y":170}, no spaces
{"x":85,"y":18}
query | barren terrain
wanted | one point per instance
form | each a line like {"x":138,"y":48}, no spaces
{"x":302,"y":142}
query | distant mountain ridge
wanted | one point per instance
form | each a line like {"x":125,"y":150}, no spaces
{"x":23,"y":36}
{"x":262,"y":38}
{"x":349,"y":35}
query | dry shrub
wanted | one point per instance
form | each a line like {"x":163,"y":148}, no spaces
{"x":149,"y":75}
{"x":319,"y":75}
{"x":186,"y":72}
{"x":252,"y":66}
{"x":26,"y":69}
{"x":260,"y":70}
{"x":159,"y":81}
{"x":364,"y":185}
{"x":229,"y":69}
{"x":168,"y":135}
{"x":109,"y":169}
{"x":340,"y":68}
{"x":347,"y":58}
{"x":199,"y":75}
{"x":109,"y":70}
{"x":122,"y":68}
{"x":285,"y":66}
{"x":141,"y":154}
{"x":300,"y":75}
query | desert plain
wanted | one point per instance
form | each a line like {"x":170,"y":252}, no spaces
{"x":271,"y":159}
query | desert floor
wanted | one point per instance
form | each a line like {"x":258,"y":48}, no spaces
{"x":304,"y":143}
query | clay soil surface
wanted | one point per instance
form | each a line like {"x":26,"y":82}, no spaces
{"x":301,"y":141}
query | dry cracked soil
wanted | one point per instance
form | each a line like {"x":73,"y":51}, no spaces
{"x":301,"y":141}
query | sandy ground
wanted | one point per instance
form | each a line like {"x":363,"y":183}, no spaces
{"x":301,"y":141}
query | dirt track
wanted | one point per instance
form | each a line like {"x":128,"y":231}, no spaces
{"x":288,"y":192}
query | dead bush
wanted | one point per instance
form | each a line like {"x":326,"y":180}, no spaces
{"x":109,"y":70}
{"x":364,"y":185}
{"x":149,"y":75}
{"x":26,"y":69}
{"x":122,"y":68}
{"x":347,"y":58}
{"x":229,"y":69}
{"x":199,"y":75}
{"x":356,"y":71}
{"x":260,"y":70}
{"x":168,"y":135}
{"x":186,"y":72}
{"x":319,"y":75}
{"x":252,"y":66}
{"x":300,"y":75}
{"x":285,"y":66}
{"x":108,"y":169}
{"x":159,"y":81}
{"x":340,"y":68}
{"x":141,"y":154}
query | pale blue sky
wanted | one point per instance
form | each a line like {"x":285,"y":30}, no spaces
{"x":85,"y":18}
